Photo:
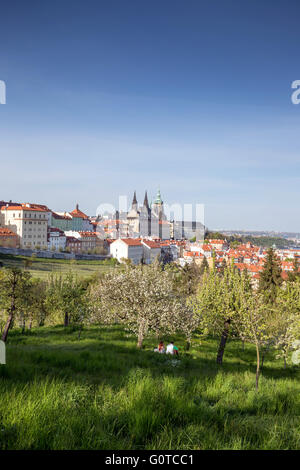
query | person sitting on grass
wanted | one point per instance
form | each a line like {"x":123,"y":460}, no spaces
{"x":161,"y":347}
{"x":170,"y":348}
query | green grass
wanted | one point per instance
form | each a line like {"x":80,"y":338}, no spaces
{"x":42,"y":267}
{"x":99,"y":392}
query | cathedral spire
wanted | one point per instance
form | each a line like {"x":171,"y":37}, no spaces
{"x":134,"y":200}
{"x":146,"y":204}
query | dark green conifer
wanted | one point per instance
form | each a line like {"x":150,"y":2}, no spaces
{"x":270,"y":278}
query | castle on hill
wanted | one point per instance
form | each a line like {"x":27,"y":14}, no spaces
{"x":149,"y":220}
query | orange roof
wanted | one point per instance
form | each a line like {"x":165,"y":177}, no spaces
{"x":22,"y":207}
{"x":88,"y":234}
{"x":206,"y":247}
{"x":78,"y":213}
{"x":41,"y":206}
{"x":131,"y":241}
{"x":59,"y":216}
{"x":5,"y":232}
{"x":284,"y":275}
{"x":194,"y":254}
{"x":151,"y":244}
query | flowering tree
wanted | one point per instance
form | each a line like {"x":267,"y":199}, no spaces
{"x":142,"y":298}
{"x":288,"y":319}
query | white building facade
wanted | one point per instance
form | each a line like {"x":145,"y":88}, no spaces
{"x":127,"y":248}
{"x":29,"y":222}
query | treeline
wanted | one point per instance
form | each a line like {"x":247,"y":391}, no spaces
{"x":166,"y":299}
{"x":265,"y":242}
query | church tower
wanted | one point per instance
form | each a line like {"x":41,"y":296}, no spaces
{"x":145,"y":218}
{"x":159,"y":224}
{"x":133,"y":218}
{"x":157,"y":206}
{"x":134,"y":205}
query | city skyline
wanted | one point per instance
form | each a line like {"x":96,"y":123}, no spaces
{"x":195,"y":99}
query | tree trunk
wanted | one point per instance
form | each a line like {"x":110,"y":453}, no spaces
{"x":7,"y":327}
{"x":66,"y":323}
{"x":263,"y":358}
{"x":223,"y":340}
{"x":79,"y":332}
{"x":257,"y":366}
{"x":23,"y":326}
{"x":140,"y":338}
{"x":188,"y":345}
{"x":10,"y":317}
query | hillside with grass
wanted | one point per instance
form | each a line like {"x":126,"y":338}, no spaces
{"x":42,"y":267}
{"x":101,"y":392}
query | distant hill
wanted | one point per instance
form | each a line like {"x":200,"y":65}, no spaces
{"x":264,"y":241}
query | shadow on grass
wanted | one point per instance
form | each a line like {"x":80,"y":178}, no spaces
{"x":107,"y":356}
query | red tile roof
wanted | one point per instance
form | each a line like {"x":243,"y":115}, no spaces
{"x":88,"y":234}
{"x":5,"y":232}
{"x":151,"y":244}
{"x":23,"y":207}
{"x":131,"y":241}
{"x":78,"y":213}
{"x":61,"y":217}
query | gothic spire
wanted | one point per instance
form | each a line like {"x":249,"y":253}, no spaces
{"x":134,"y":200}
{"x":146,"y":204}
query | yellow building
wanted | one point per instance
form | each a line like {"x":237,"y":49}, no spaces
{"x":28,"y":221}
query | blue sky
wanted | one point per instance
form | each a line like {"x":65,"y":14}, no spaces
{"x":195,"y":97}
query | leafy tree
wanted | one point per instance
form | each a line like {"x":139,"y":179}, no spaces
{"x":257,"y":322}
{"x":295,"y":274}
{"x":13,"y":290}
{"x":222,"y":267}
{"x":36,"y":309}
{"x":218,"y":303}
{"x":66,"y":296}
{"x":190,"y":278}
{"x":204,"y":266}
{"x":27,"y":263}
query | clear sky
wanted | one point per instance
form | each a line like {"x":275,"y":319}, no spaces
{"x":105,"y":97}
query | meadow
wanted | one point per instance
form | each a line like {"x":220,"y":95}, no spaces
{"x":100,"y":392}
{"x":42,"y":267}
